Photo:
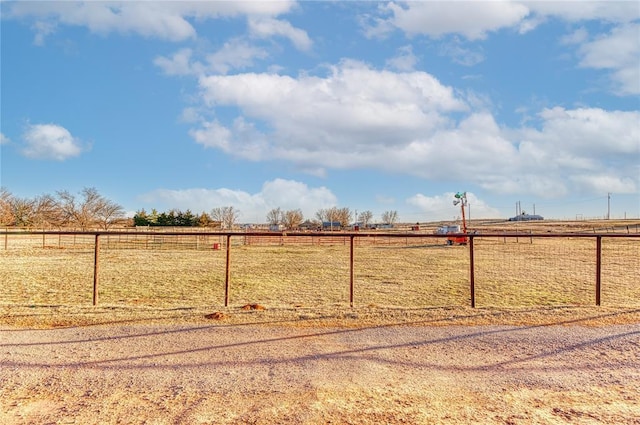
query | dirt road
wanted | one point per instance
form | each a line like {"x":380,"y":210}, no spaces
{"x":265,"y":374}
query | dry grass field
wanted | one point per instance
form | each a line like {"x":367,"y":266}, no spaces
{"x":307,"y":278}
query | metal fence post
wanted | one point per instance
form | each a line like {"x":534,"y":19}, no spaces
{"x":96,"y":258}
{"x":226,"y":279}
{"x":598,"y":267}
{"x":351,"y":271}
{"x":472,"y":276}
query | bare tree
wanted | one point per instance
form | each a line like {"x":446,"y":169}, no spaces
{"x":389,"y":217}
{"x":47,"y":212}
{"x":107,"y":213}
{"x":275,"y":216}
{"x":293,"y":219}
{"x":365,"y":217}
{"x":335,"y":215}
{"x":23,"y":211}
{"x":6,"y":214}
{"x":321,"y":215}
{"x":68,"y":209}
{"x":225,"y":215}
{"x":92,"y":210}
{"x":88,"y":207}
{"x":41,"y":211}
{"x":343,"y":215}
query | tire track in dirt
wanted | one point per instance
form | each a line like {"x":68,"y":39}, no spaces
{"x":194,"y":374}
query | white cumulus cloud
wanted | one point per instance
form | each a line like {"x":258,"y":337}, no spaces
{"x":266,"y":27}
{"x":253,"y":207}
{"x":590,"y":131}
{"x":235,"y":54}
{"x":461,"y":54}
{"x":180,"y":63}
{"x":409,"y":123}
{"x":474,"y":20}
{"x":604,"y":183}
{"x":50,"y":141}
{"x":354,"y":110}
{"x":160,"y":19}
{"x":436,"y":19}
{"x":585,"y":149}
{"x":618,"y":51}
{"x":439,"y":207}
{"x":580,"y":10}
{"x":405,"y":60}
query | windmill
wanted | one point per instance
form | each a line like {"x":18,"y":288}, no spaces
{"x":460,"y":199}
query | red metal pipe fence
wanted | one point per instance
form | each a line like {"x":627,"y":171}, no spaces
{"x":472,"y":274}
{"x":361,"y":238}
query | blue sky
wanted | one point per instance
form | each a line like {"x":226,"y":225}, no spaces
{"x":367,"y":105}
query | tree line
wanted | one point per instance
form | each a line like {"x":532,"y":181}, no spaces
{"x":224,"y":217}
{"x":89,"y":209}
{"x":85,"y":210}
{"x":343,"y":217}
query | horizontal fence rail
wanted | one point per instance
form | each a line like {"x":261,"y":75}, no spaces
{"x":509,"y":268}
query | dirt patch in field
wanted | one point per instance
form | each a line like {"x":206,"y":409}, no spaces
{"x":59,"y":316}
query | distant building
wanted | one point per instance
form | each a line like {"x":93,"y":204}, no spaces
{"x":308,"y":225}
{"x":526,"y":217}
{"x":331,"y":225}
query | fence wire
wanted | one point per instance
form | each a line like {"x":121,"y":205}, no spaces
{"x":295,"y":271}
{"x":534,"y":271}
{"x":620,"y":271}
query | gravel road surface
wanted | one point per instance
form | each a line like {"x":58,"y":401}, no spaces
{"x":267,"y":374}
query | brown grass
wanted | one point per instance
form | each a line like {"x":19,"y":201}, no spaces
{"x":400,"y":278}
